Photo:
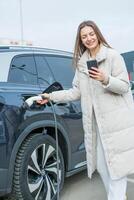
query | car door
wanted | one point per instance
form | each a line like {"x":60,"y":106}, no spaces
{"x":63,"y":72}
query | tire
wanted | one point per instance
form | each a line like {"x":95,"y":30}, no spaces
{"x":35,"y":174}
{"x":11,"y":197}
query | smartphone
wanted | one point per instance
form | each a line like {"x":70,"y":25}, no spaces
{"x":92,"y":63}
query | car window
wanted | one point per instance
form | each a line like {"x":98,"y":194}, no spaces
{"x":129,"y":61}
{"x":23,"y":70}
{"x":62,"y":69}
{"x":44,"y":73}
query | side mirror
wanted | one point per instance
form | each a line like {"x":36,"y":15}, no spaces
{"x":56,"y":86}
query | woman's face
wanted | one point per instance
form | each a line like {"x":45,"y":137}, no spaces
{"x":89,"y":38}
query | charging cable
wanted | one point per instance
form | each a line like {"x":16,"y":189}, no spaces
{"x":28,"y":103}
{"x":57,"y":149}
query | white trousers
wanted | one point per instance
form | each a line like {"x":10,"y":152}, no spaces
{"x":116,"y":189}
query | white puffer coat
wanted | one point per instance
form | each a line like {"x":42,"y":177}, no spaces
{"x":114,"y":110}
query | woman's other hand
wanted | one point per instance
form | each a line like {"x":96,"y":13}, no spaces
{"x":45,"y":99}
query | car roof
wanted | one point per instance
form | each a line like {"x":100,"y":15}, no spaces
{"x":36,"y":49}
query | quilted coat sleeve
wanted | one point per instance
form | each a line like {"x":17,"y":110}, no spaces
{"x":71,"y":94}
{"x":118,"y":80}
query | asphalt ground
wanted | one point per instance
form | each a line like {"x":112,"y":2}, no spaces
{"x":80,"y":187}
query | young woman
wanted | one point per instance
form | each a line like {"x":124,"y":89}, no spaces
{"x":107,"y":107}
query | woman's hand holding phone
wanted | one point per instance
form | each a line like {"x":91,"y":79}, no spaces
{"x":95,"y":72}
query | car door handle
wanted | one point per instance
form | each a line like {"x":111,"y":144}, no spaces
{"x":61,"y":104}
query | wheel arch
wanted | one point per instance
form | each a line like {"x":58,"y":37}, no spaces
{"x":35,"y":127}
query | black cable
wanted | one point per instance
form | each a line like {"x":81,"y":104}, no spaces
{"x":57,"y":145}
{"x":57,"y":149}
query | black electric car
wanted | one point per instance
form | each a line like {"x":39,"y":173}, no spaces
{"x":28,"y":162}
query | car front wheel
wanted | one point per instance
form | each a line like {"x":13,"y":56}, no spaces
{"x":35,"y":175}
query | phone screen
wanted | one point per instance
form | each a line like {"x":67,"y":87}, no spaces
{"x":92,"y":63}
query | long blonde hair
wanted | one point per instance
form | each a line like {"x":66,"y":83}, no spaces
{"x":79,"y":48}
